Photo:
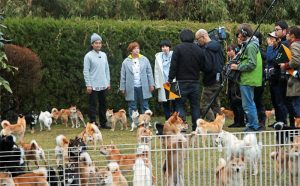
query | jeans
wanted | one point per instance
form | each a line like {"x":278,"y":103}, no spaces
{"x":247,"y":94}
{"x":169,"y":106}
{"x":296,"y":105}
{"x":138,"y":99}
{"x":100,"y":95}
{"x":189,"y":91}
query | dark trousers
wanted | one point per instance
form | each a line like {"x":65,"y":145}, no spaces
{"x":236,"y":107}
{"x":94,"y":98}
{"x":235,"y":101}
{"x":189,"y":91}
{"x":258,"y":99}
{"x":169,"y":106}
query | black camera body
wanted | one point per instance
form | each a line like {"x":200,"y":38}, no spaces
{"x":218,"y":34}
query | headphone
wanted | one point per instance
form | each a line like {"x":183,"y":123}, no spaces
{"x":244,"y":32}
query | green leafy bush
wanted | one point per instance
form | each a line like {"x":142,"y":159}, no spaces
{"x":62,"y":44}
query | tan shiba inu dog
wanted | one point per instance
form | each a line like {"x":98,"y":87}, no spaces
{"x":64,"y":114}
{"x":144,"y":135}
{"x":204,"y":127}
{"x":37,"y":177}
{"x":228,"y":113}
{"x":231,"y":173}
{"x":270,"y":114}
{"x":6,"y":179}
{"x":17,"y":129}
{"x":33,"y":152}
{"x":118,"y":178}
{"x":114,"y":118}
{"x":92,"y":134}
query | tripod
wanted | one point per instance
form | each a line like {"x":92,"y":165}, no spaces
{"x":228,"y":71}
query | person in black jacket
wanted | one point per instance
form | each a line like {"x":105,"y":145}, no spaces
{"x":212,"y":79}
{"x":187,"y":61}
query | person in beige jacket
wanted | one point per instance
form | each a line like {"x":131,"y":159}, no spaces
{"x":161,"y":73}
{"x":293,"y":85}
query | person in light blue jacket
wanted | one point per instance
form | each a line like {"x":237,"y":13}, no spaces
{"x":136,"y":81}
{"x":97,"y":79}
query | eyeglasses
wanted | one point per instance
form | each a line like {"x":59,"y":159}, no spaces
{"x":277,"y":29}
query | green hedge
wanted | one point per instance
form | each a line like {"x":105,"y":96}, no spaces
{"x":62,"y":44}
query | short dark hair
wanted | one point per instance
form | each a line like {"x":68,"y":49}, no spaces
{"x":232,"y":47}
{"x":283,"y":25}
{"x":132,"y":45}
{"x":165,"y":42}
{"x":245,"y":29}
{"x":187,"y":35}
{"x":294,"y":30}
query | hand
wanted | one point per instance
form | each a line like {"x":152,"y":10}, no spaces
{"x":168,"y":83}
{"x":122,"y":91}
{"x":89,"y":89}
{"x":151,"y":88}
{"x":108,"y":87}
{"x":282,"y":66}
{"x":269,"y":41}
{"x":233,"y":66}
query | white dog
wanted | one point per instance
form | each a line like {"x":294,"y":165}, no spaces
{"x":135,"y":119}
{"x":142,"y":174}
{"x":248,"y":147}
{"x":45,"y":119}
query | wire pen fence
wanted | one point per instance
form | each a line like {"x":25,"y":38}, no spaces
{"x":262,"y":158}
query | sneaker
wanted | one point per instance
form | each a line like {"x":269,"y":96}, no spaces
{"x":272,"y":125}
{"x":248,"y":129}
{"x":236,"y":125}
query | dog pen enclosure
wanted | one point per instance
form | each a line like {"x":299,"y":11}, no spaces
{"x":189,"y":163}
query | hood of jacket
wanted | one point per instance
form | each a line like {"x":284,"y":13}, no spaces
{"x":213,"y":45}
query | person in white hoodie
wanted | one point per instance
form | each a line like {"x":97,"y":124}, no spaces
{"x":161,"y":73}
{"x":97,"y":79}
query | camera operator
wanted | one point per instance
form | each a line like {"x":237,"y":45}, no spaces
{"x":211,"y":80}
{"x":234,"y":94}
{"x":250,"y":67}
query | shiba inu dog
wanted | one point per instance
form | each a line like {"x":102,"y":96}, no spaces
{"x":118,"y":178}
{"x":270,"y":114}
{"x":204,"y":127}
{"x":104,"y":177}
{"x":114,"y":118}
{"x":294,"y":161}
{"x":231,"y":173}
{"x":6,"y":179}
{"x":248,"y":147}
{"x":144,"y":135}
{"x":33,"y":152}
{"x":17,"y":129}
{"x":113,"y":154}
{"x":32,"y":120}
{"x":37,"y":177}
{"x":297,"y":122}
{"x":64,"y":114}
{"x":228,"y":113}
{"x":145,"y":118}
{"x":135,"y":119}
{"x":92,"y":134}
{"x":61,"y":149}
{"x":173,"y":166}
{"x":45,"y":119}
